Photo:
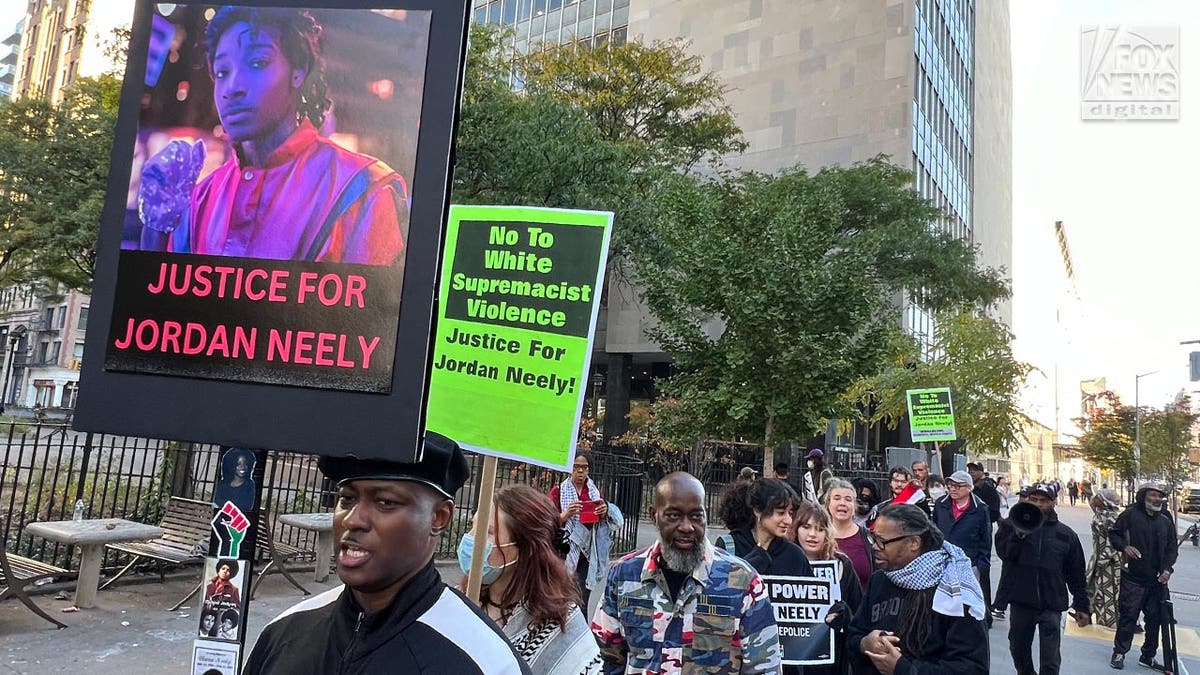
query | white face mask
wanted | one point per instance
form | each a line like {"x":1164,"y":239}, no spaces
{"x":811,"y":464}
{"x":937,"y":493}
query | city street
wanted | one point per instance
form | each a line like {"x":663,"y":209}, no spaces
{"x":130,"y":633}
{"x":1087,"y":650}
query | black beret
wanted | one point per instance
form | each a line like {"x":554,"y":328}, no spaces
{"x":443,"y":467}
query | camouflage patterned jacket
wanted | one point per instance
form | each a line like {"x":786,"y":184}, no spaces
{"x":722,"y":621}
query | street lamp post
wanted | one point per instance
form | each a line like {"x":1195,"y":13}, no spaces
{"x":1137,"y":427}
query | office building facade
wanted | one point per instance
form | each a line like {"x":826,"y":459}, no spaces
{"x":818,"y":84}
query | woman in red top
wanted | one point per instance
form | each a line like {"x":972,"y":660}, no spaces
{"x":580,"y":508}
{"x":851,"y":537}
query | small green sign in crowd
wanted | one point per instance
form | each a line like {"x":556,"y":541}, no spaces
{"x":931,"y":414}
{"x":519,"y":295}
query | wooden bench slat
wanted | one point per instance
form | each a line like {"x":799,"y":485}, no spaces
{"x":26,"y":568}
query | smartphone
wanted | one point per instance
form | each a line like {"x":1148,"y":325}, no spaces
{"x":588,"y":515}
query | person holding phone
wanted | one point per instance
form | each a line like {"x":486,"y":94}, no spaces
{"x":590,"y":538}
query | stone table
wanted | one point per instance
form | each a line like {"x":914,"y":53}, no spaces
{"x":322,"y":524}
{"x":91,"y":536}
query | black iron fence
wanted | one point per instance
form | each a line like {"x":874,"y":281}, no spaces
{"x":48,"y":468}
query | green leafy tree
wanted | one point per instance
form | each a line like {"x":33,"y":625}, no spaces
{"x":1107,"y":440}
{"x":775,"y":293}
{"x":526,"y":149}
{"x":970,"y":353}
{"x":655,"y":100}
{"x":590,"y":128}
{"x":54,"y":162}
{"x":1166,"y":440}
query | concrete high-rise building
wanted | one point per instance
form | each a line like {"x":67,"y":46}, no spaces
{"x":10,"y":46}
{"x":819,"y":83}
{"x":63,"y":40}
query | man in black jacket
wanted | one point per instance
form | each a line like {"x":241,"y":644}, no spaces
{"x":1145,"y":532}
{"x":985,"y":489}
{"x":1039,"y":569}
{"x":923,"y":610}
{"x":393,"y":614}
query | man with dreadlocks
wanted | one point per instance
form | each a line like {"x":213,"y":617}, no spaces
{"x":923,"y":611}
{"x":287,"y":193}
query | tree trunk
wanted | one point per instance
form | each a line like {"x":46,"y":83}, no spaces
{"x":768,"y":449}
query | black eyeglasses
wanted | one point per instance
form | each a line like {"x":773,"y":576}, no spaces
{"x":880,"y":544}
{"x":580,"y":467}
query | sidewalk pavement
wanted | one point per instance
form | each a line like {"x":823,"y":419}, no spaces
{"x":131,"y":633}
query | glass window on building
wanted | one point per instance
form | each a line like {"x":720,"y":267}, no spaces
{"x":83,"y":317}
{"x":55,"y":350}
{"x":70,"y":394}
{"x":620,"y":17}
{"x":39,"y":355}
{"x":44,"y":393}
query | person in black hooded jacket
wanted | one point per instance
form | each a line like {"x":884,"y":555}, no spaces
{"x":394,"y":614}
{"x":1039,"y":568}
{"x":1145,"y":532}
{"x":759,"y":516}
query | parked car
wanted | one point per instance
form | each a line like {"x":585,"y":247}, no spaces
{"x":1189,"y":502}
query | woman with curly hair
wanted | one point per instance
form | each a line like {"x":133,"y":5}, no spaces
{"x":526,"y":589}
{"x":758,"y":514}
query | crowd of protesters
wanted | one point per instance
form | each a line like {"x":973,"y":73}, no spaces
{"x":908,"y":575}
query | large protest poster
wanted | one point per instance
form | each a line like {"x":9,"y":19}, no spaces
{"x":519,"y":297}
{"x":800,"y":605}
{"x":268,"y":256}
{"x":931,"y":414}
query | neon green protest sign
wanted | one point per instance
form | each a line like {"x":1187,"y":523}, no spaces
{"x":519,"y":295}
{"x":931,"y":414}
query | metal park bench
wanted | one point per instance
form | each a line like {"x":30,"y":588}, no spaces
{"x":17,"y":572}
{"x":186,"y":524}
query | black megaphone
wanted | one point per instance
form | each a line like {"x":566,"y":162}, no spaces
{"x":1025,"y":518}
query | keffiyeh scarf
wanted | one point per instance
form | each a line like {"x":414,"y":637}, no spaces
{"x":950,"y":570}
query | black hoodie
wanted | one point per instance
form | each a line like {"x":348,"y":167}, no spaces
{"x":428,"y":628}
{"x":1152,"y":534}
{"x":1038,"y":569}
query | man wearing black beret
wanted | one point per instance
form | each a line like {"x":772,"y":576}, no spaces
{"x":393,"y":614}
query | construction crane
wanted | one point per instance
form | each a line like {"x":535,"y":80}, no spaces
{"x":1060,"y":231}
